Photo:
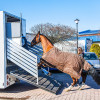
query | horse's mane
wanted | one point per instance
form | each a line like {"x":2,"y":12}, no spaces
{"x":47,"y":38}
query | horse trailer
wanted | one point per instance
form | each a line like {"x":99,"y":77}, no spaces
{"x":16,"y":62}
{"x":11,"y":27}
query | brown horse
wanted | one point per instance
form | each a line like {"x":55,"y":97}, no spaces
{"x":69,"y":63}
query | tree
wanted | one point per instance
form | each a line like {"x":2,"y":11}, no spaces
{"x":55,"y":33}
{"x":95,"y":48}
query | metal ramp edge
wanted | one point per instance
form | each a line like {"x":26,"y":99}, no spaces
{"x":45,"y":82}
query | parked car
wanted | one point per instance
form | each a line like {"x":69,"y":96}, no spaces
{"x":92,"y":58}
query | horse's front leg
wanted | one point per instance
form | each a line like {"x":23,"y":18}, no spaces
{"x":39,"y":64}
{"x":72,"y":85}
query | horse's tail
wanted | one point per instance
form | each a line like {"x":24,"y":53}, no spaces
{"x":92,"y":71}
{"x":95,"y":75}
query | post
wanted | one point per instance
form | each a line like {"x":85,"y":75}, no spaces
{"x":77,"y":35}
{"x":76,"y":21}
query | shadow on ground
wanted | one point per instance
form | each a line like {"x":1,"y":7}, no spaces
{"x":65,"y":78}
{"x":18,"y":87}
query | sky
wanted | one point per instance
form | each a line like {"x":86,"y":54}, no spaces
{"x":62,"y":12}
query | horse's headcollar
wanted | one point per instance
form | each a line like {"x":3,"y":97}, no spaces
{"x":39,"y":37}
{"x":37,"y":40}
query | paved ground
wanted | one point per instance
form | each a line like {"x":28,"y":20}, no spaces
{"x":25,"y":91}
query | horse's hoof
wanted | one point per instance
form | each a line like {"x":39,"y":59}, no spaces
{"x":66,"y":90}
{"x":69,"y":88}
{"x":49,"y":74}
{"x":81,"y":86}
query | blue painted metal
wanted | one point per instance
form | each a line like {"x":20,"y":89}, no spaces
{"x":90,"y":63}
{"x":45,"y":71}
{"x":94,"y":38}
{"x":89,"y":32}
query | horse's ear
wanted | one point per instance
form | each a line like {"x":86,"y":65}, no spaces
{"x":39,"y":32}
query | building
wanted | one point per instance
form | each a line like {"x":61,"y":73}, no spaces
{"x":85,"y":40}
{"x":90,"y":37}
{"x":94,"y":35}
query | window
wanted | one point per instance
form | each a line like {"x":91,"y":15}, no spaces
{"x":90,"y":56}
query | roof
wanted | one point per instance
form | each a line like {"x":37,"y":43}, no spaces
{"x":89,"y":32}
{"x":85,"y":33}
{"x":11,"y":17}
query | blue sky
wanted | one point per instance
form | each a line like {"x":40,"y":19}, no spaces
{"x":56,"y":12}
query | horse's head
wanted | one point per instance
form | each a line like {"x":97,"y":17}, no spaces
{"x":36,"y":39}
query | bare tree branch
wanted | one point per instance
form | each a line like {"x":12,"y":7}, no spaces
{"x":55,"y":33}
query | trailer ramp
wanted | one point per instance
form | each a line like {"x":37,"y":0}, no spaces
{"x":27,"y":61}
{"x":45,"y":82}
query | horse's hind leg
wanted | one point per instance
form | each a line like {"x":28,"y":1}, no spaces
{"x":74,"y":81}
{"x":84,"y":75}
{"x":72,"y":85}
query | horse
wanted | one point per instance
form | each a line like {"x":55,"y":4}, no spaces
{"x":66,"y":62}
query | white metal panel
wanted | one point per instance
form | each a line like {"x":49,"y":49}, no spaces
{"x":22,"y":58}
{"x":23,"y":55}
{"x":16,"y":45}
{"x":2,"y":51}
{"x":16,"y":61}
{"x":17,"y":40}
{"x":13,"y":29}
